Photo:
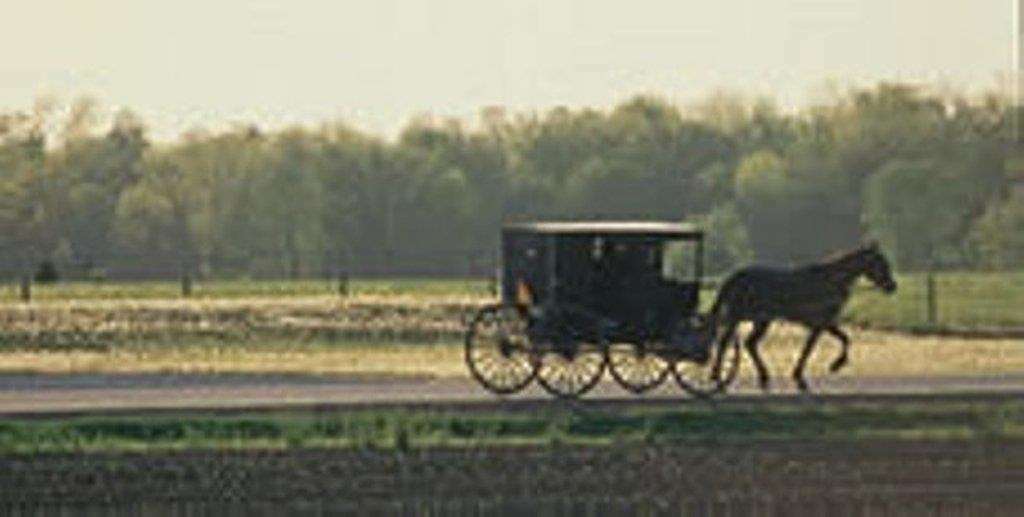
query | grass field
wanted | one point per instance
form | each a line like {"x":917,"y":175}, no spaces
{"x":414,"y":327}
{"x":964,"y":301}
{"x":532,"y":468}
{"x":404,"y":430}
{"x":220,"y":289}
{"x":873,"y":354}
{"x":339,"y":359}
{"x":107,"y":324}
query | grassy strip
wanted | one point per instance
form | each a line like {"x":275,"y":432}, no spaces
{"x":218,"y":289}
{"x":350,"y":359}
{"x":873,"y":354}
{"x":394,"y":430}
{"x":965,"y":300}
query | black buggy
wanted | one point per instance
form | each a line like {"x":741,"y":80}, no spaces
{"x":578,"y":298}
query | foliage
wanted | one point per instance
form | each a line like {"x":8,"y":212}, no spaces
{"x":887,"y":161}
{"x":922,"y":210}
{"x":997,"y":237}
{"x":728,"y":244}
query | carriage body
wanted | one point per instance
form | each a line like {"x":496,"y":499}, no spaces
{"x":581,"y":297}
{"x":641,"y":278}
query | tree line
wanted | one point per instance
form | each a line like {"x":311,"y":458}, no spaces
{"x":932,"y":176}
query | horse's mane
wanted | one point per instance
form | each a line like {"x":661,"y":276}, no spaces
{"x":838,"y":257}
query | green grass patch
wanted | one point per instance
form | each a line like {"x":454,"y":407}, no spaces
{"x":963,"y":301}
{"x":392,"y":430}
{"x":213,"y":289}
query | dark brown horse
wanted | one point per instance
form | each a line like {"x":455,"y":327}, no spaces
{"x":812,"y":296}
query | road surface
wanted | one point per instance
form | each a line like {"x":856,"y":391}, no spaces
{"x":49,"y":395}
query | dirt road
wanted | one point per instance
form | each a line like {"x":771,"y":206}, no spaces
{"x":42,"y":395}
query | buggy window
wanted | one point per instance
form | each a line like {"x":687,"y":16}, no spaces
{"x":680,"y":260}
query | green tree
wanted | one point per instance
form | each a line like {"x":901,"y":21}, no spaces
{"x":997,"y":238}
{"x":922,"y":210}
{"x":728,"y":245}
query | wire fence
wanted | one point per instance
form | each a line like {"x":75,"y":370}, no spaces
{"x":979,"y":302}
{"x":367,"y":263}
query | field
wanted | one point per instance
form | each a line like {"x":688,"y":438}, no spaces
{"x":221,"y":289}
{"x":952,"y":478}
{"x":765,"y":460}
{"x":964,"y":301}
{"x":874,"y":354}
{"x":771,"y":457}
{"x":405,"y":431}
{"x":403,"y":329}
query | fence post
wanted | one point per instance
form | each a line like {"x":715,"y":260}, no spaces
{"x":343,"y":283}
{"x":932,"y":300}
{"x":186,"y":285}
{"x":26,"y":288}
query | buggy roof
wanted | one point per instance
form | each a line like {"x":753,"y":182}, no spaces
{"x":598,"y":228}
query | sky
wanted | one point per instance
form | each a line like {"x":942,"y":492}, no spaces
{"x":186,"y":64}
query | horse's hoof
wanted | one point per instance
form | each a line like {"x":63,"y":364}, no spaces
{"x":837,"y":365}
{"x":801,"y":385}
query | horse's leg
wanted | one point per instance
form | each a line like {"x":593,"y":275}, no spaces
{"x":760,"y":327}
{"x":798,"y":372}
{"x":840,"y":361}
{"x":716,"y":368}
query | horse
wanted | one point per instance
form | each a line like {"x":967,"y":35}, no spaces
{"x":812,"y":296}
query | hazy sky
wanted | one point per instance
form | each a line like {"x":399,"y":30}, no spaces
{"x":188,"y":63}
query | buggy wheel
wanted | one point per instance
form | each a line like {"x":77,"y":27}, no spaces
{"x":498,"y":350}
{"x":570,"y":374}
{"x":700,"y":378}
{"x":636,"y":367}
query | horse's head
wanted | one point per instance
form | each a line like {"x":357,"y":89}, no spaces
{"x":876,"y":267}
